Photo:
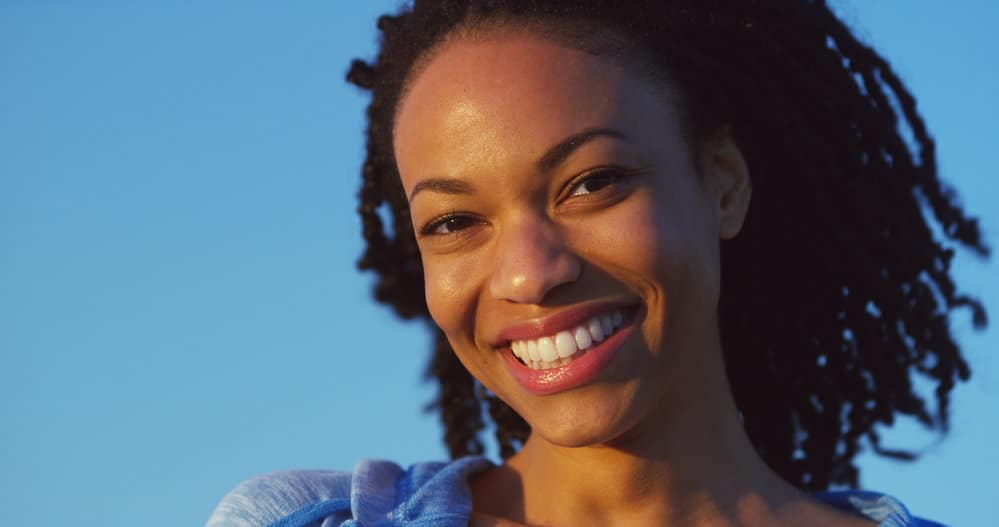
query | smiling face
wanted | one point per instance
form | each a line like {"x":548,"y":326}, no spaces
{"x":552,"y":192}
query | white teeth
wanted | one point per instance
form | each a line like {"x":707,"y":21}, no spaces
{"x":546,"y":348}
{"x":596,"y":330}
{"x":518,"y":349}
{"x":607,"y":325}
{"x":583,"y":339}
{"x":559,"y":349}
{"x":565,"y":343}
{"x":532,"y":350}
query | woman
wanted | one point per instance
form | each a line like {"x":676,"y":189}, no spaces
{"x":678,"y":250}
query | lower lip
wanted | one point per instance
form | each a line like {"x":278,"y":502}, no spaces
{"x":578,"y":372}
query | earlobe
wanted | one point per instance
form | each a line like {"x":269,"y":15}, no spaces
{"x":727,"y":179}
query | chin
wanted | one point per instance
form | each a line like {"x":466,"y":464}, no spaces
{"x":584,"y":423}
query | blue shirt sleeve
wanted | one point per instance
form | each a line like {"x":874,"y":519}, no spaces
{"x":376,"y":493}
{"x":286,"y":499}
{"x":886,"y":510}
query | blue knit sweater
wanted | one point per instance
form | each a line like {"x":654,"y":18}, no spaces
{"x":383,"y":494}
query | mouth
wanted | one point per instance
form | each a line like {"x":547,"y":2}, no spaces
{"x":569,"y":349}
{"x":563,"y":347}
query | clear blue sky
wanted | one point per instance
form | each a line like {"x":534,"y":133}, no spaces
{"x":179,"y":308}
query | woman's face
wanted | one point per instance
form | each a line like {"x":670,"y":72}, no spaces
{"x":562,"y":218}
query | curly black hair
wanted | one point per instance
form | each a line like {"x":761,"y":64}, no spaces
{"x":835,"y":292}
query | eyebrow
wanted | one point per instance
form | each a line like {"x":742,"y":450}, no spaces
{"x":558,"y":153}
{"x":552,"y":158}
{"x":443,"y":185}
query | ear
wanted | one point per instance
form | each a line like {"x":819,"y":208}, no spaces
{"x":726,"y":179}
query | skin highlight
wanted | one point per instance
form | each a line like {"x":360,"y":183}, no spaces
{"x":505,"y":237}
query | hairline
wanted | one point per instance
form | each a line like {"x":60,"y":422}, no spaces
{"x":575,"y":33}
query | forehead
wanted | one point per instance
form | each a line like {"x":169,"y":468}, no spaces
{"x":519,"y":89}
{"x":507,"y":68}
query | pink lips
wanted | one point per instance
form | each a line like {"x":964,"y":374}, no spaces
{"x":583,"y":367}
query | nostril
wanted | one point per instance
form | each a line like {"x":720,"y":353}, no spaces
{"x":531,"y":260}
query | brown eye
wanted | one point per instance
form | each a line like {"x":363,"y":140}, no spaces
{"x":595,"y":181}
{"x":448,"y":225}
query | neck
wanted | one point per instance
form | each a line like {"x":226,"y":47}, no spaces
{"x":711,"y":481}
{"x":690,"y":464}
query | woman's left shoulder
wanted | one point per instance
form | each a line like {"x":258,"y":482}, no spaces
{"x":882,"y":508}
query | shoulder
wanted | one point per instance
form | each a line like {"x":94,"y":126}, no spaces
{"x":885,"y":509}
{"x":263,"y":500}
{"x":376,"y":492}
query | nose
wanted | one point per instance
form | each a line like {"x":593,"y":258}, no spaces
{"x":531,"y":260}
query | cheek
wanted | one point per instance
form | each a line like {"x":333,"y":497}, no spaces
{"x":449,"y":294}
{"x":686,"y":258}
{"x":662,"y":247}
{"x":633,"y":240}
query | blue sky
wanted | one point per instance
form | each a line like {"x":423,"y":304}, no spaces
{"x":179,"y":308}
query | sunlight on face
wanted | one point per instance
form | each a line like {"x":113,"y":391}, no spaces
{"x":549,"y":187}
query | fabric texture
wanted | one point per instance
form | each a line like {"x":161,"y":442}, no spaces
{"x":383,"y":494}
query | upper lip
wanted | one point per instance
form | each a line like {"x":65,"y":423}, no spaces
{"x":552,"y":324}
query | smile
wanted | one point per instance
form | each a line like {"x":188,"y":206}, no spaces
{"x":565,"y":346}
{"x":569,"y":349}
